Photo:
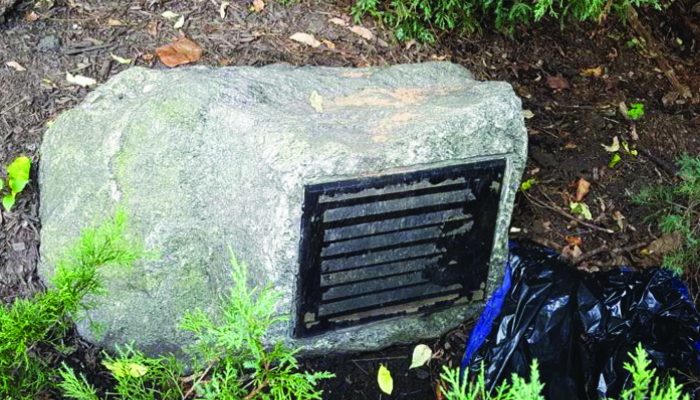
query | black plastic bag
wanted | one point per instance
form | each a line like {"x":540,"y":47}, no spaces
{"x":581,"y":327}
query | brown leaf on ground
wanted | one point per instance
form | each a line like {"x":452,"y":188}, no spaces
{"x":152,"y":28}
{"x":574,"y":240}
{"x":571,"y":252}
{"x":557,"y":82}
{"x":667,"y":243}
{"x":305,"y":38}
{"x":582,"y":188}
{"x":31,"y":16}
{"x":181,"y":51}
{"x":16,"y":66}
{"x":258,"y":5}
{"x":114,"y":22}
{"x":362,"y":32}
{"x":338,"y":21}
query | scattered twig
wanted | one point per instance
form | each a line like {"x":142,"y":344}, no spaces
{"x":199,"y":379}
{"x":659,"y":162}
{"x":605,"y":248}
{"x":563,"y":213}
{"x":547,"y":243}
{"x":79,"y":50}
{"x":358,"y":366}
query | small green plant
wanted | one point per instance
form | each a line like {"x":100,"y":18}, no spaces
{"x":144,"y":378}
{"x":74,"y":387}
{"x":17,"y":179}
{"x":419,"y":19}
{"x":677,"y":211}
{"x":465,"y":389}
{"x":233,"y":349}
{"x":636,"y":111}
{"x":645,"y":383}
{"x":231,"y":360}
{"x":30,"y":326}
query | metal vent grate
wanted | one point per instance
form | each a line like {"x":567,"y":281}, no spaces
{"x":382,"y":246}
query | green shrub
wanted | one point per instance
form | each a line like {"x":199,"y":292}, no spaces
{"x":646,"y":385}
{"x":420,"y":19}
{"x":233,"y":350}
{"x":29,"y":327}
{"x":231,"y":359}
{"x":677,"y":211}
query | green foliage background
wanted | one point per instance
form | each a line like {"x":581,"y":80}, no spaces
{"x":421,"y":19}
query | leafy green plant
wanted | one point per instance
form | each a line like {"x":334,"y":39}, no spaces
{"x":419,"y":19}
{"x":677,"y":211}
{"x":144,"y":378}
{"x":74,"y":387}
{"x":636,"y":111}
{"x":17,"y":179}
{"x":231,"y":360}
{"x":646,"y":384}
{"x":466,"y":389}
{"x":232,"y":349}
{"x":30,"y":326}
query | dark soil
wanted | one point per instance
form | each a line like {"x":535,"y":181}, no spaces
{"x":572,"y":115}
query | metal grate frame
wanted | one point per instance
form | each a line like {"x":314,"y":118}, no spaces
{"x":381,"y":246}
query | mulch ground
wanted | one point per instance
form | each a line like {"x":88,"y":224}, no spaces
{"x":571,"y":82}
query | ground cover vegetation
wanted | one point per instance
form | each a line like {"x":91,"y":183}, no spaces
{"x":645,"y":385}
{"x":421,"y":19}
{"x":675,"y":207}
{"x":231,"y":359}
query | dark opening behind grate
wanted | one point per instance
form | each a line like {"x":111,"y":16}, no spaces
{"x":381,"y":246}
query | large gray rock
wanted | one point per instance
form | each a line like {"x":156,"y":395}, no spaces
{"x":202,"y":159}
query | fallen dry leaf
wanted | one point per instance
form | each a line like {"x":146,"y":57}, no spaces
{"x":114,"y":22}
{"x":16,"y":66}
{"x":623,"y":109}
{"x":169,"y":15}
{"x":596,"y":72}
{"x":222,"y":9}
{"x":120,"y":60}
{"x":180,"y":22}
{"x":362,"y":32}
{"x":306,"y":39}
{"x":528,"y":114}
{"x":152,"y":28}
{"x":574,"y":240}
{"x":328,"y":44}
{"x":619,"y":218}
{"x":571,"y":252}
{"x":181,"y":51}
{"x":557,"y":82}
{"x":31,"y":16}
{"x":667,"y":243}
{"x":80,"y":80}
{"x":338,"y":21}
{"x":582,"y":188}
{"x":258,"y":5}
